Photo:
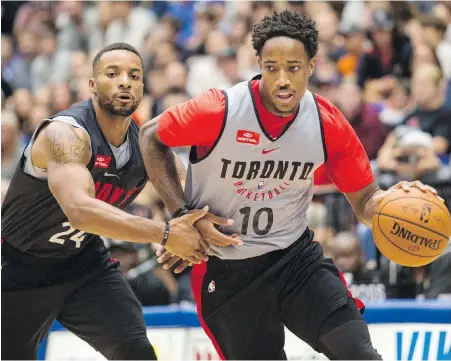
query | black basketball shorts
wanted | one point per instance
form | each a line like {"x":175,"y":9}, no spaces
{"x":244,"y":305}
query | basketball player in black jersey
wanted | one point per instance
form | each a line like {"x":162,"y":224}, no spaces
{"x":81,"y":167}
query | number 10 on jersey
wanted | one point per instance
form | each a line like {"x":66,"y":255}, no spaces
{"x":246,"y":212}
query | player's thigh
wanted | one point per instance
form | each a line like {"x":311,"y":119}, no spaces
{"x":241,"y":316}
{"x":312,"y":299}
{"x":248,"y":328}
{"x":26,"y":319}
{"x":105,"y":313}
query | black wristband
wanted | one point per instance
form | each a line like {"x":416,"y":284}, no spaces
{"x":181,"y":211}
{"x":165,"y":235}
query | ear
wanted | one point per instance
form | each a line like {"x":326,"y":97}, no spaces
{"x":92,"y":86}
{"x":259,"y":61}
{"x":311,"y":66}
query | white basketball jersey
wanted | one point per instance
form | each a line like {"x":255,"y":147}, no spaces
{"x":264,"y":184}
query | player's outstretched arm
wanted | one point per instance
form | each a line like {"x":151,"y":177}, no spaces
{"x":162,"y":171}
{"x":67,"y":150}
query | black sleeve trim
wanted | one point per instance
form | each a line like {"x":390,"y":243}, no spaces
{"x":323,"y":138}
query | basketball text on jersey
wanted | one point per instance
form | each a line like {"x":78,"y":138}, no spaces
{"x":267,"y":169}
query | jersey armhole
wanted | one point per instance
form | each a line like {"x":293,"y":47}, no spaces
{"x":321,"y":125}
{"x":193,"y":151}
{"x":27,"y":165}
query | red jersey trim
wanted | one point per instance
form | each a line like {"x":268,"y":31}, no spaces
{"x":193,"y":152}
{"x":257,"y":114}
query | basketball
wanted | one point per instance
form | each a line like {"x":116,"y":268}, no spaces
{"x":411,"y":228}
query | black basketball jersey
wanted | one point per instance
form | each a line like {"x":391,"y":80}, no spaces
{"x":33,"y":221}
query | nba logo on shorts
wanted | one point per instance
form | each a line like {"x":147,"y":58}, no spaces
{"x":260,"y":185}
{"x":211,"y":287}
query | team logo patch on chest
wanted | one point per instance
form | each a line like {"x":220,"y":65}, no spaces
{"x":102,"y":161}
{"x":247,"y":137}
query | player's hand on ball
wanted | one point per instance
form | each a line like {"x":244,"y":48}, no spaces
{"x":206,"y":227}
{"x":184,"y":240}
{"x":407,"y":186}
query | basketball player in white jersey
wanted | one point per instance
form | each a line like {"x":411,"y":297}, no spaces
{"x":255,"y":149}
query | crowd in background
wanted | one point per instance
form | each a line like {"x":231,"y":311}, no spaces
{"x":386,"y":65}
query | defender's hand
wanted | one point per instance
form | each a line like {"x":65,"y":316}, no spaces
{"x":170,"y":260}
{"x":184,"y":240}
{"x":206,"y":227}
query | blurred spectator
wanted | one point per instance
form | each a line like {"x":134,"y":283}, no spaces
{"x":434,"y":31}
{"x":17,"y":71}
{"x":430,"y":116}
{"x":143,"y":278}
{"x":69,"y":23}
{"x":175,"y":74}
{"x":443,"y":11}
{"x":131,"y":24}
{"x":423,"y":54}
{"x":61,"y":97}
{"x":173,"y":97}
{"x":439,"y":280}
{"x":166,"y":53}
{"x":354,"y":47}
{"x":347,"y":255}
{"x":241,"y":27}
{"x":51,"y":65}
{"x":23,"y":101}
{"x":38,"y":113}
{"x":96,"y":22}
{"x":411,"y":150}
{"x":390,"y":57}
{"x":204,"y":71}
{"x":325,"y":78}
{"x":228,"y":65}
{"x":260,"y":9}
{"x":165,"y":32}
{"x":363,"y":117}
{"x":395,"y":109}
{"x":12,"y":147}
{"x":7,"y":51}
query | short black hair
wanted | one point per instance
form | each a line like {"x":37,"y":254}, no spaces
{"x":290,"y":24}
{"x":115,"y":46}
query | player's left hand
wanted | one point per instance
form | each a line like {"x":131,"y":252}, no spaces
{"x":406,"y":187}
{"x":169,"y":260}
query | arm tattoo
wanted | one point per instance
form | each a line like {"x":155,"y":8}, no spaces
{"x":91,"y":188}
{"x":66,"y":146}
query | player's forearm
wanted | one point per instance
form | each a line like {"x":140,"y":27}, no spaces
{"x":364,"y":203}
{"x":93,"y":216}
{"x":366,"y":216}
{"x":161,"y":167}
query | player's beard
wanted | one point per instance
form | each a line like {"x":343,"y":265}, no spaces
{"x":118,"y":110}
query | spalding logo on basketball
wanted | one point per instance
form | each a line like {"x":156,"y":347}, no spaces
{"x":411,"y":228}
